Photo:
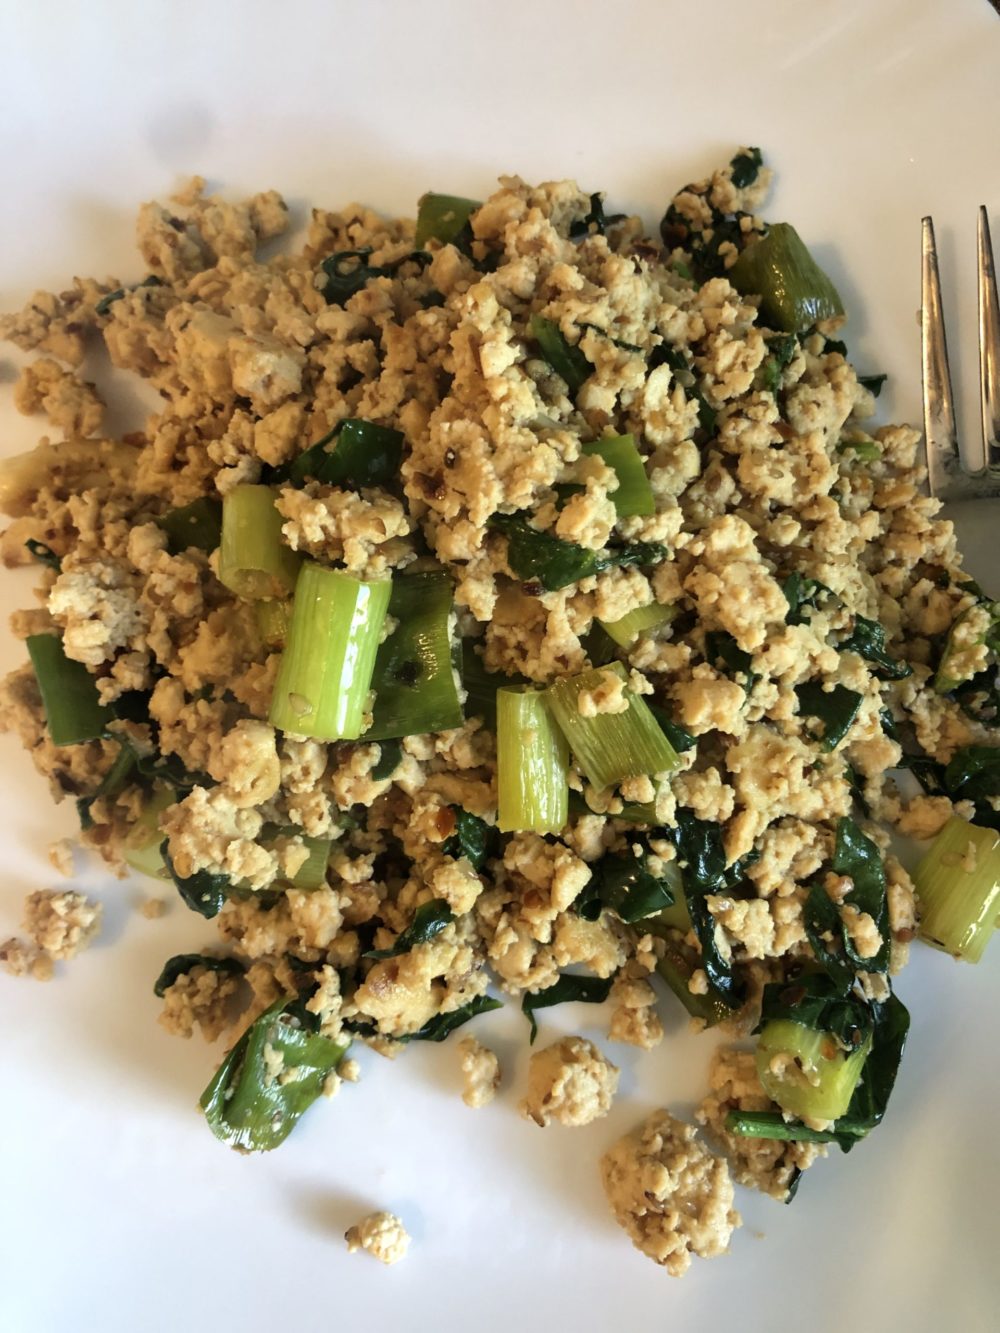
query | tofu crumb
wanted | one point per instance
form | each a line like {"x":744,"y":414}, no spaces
{"x":200,"y":998}
{"x":61,"y":922}
{"x":61,"y":856}
{"x":673,"y":1197}
{"x":481,"y":1070}
{"x":570,"y":1082}
{"x":153,"y":908}
{"x":382,"y":1235}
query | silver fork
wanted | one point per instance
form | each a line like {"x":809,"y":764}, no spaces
{"x":948,"y":478}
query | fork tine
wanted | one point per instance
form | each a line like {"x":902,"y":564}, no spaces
{"x":941,"y":439}
{"x":989,"y":346}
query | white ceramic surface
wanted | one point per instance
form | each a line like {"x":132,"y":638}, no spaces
{"x":118,"y":1210}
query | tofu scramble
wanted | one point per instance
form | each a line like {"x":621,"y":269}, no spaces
{"x":508,"y":601}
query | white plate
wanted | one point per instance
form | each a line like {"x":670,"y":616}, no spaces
{"x":119,"y":1211}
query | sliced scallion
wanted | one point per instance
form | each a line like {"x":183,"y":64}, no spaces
{"x":532,"y":764}
{"x":326,"y":669}
{"x":610,"y":747}
{"x":626,"y":630}
{"x":415,"y":680}
{"x":565,"y":359}
{"x":807,"y":1071}
{"x":958,"y":884}
{"x":254,"y":562}
{"x":634,"y":496}
{"x":273,"y":616}
{"x":442,"y":217}
{"x":795,"y":292}
{"x":73,"y":708}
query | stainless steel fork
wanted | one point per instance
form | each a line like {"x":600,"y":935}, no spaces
{"x":947,"y":477}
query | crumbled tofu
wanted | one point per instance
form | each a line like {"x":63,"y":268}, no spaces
{"x":61,"y":922}
{"x":481,"y":1071}
{"x":381,"y":1235}
{"x":672,"y":1196}
{"x":202,"y":997}
{"x":570,"y":1082}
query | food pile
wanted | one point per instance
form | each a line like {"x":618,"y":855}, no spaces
{"x":510,"y":603}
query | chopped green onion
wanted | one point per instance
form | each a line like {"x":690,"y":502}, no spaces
{"x":273,"y":618}
{"x":958,"y":884}
{"x":144,"y":841}
{"x":610,"y":747}
{"x":634,"y":495}
{"x":565,"y":359}
{"x":198,"y":524}
{"x":325,"y":673}
{"x":532,"y":764}
{"x":835,"y":709}
{"x":442,"y":217}
{"x":254,"y":562}
{"x":415,"y":681}
{"x":773,"y":1125}
{"x":806,"y":1071}
{"x":362,"y":454}
{"x":626,"y":630}
{"x":254,"y":1105}
{"x":73,"y":708}
{"x":311,"y":874}
{"x":677,"y":968}
{"x":795,"y":292}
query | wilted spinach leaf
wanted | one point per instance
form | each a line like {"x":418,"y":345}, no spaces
{"x":185,"y":962}
{"x":723,"y":652}
{"x":973,"y":774}
{"x":390,"y":753}
{"x":679,"y":737}
{"x":44,"y":554}
{"x":348,"y":271}
{"x":801,"y":592}
{"x":588,"y":990}
{"x":596,"y":221}
{"x":539,"y":557}
{"x":623,"y":883}
{"x":437,"y":1028}
{"x":836,"y":709}
{"x":429,"y":920}
{"x":867,"y":639}
{"x":473,"y":838}
{"x":746,"y":167}
{"x":203,"y":891}
{"x":873,"y":383}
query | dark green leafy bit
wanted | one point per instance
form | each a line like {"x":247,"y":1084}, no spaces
{"x":780,"y":350}
{"x":979,"y":696}
{"x":801,"y":593}
{"x":857,"y":857}
{"x":867,"y":639}
{"x":203,"y":891}
{"x":873,"y":383}
{"x":362,"y":454}
{"x":481,"y":685}
{"x":724,"y":653}
{"x":73,"y":709}
{"x":599,"y":646}
{"x":186,"y":962}
{"x":794,"y":291}
{"x":437,"y":1028}
{"x":584,"y":990}
{"x":703,"y":246}
{"x":414,"y":675}
{"x":973,"y":774}
{"x":679,"y":737}
{"x":623,"y":883}
{"x":836,"y":709}
{"x":44,"y":554}
{"x":198,"y":524}
{"x":704,"y":871}
{"x":428,"y":921}
{"x":539,"y":557}
{"x":928,"y":772}
{"x":245,"y":1104}
{"x":746,"y":167}
{"x":390,"y":753}
{"x":473,"y":838}
{"x":566,"y":360}
{"x":596,"y":221}
{"x":111,"y":784}
{"x":348,"y":271}
{"x":816,"y":1002}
